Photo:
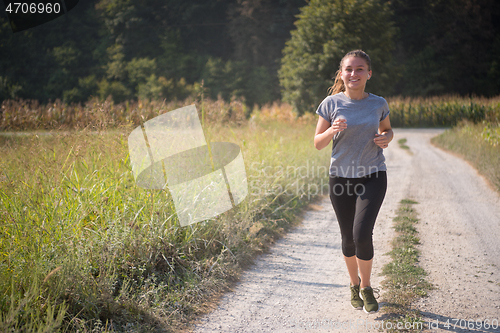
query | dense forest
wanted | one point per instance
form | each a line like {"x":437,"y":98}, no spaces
{"x":259,"y":50}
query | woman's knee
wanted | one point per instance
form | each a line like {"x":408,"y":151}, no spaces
{"x":366,"y":254}
{"x":364,"y":246}
{"x":348,"y":248}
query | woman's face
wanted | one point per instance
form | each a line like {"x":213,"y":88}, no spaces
{"x":355,"y":73}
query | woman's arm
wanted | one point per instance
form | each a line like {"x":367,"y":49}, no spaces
{"x":324,"y":132}
{"x":386,"y":134}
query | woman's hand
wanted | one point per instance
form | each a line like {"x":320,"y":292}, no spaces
{"x":339,"y":125}
{"x":325,"y":131}
{"x":382,"y":140}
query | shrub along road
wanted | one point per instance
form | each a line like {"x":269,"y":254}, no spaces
{"x":302,"y":284}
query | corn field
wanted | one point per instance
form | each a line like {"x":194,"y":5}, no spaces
{"x":24,"y":115}
{"x":444,"y":111}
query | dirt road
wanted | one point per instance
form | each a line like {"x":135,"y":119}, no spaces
{"x":302,"y":283}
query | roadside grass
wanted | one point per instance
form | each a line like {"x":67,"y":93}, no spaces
{"x":477,"y":143}
{"x":405,"y":280}
{"x":83,"y":249}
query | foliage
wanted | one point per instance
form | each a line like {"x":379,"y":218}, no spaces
{"x":237,"y":79}
{"x":447,"y":46}
{"x":45,"y":61}
{"x":326,"y":31}
{"x":258,"y":31}
{"x":132,"y":49}
{"x":145,"y":49}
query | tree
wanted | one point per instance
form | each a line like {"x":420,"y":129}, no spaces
{"x":448,"y":46}
{"x":259,"y":30}
{"x":326,"y":31}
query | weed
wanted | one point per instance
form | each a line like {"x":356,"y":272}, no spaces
{"x":405,"y":280}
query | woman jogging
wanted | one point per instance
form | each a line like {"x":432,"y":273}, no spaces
{"x":358,"y":124}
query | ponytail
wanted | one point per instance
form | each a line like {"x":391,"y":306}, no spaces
{"x":338,"y":85}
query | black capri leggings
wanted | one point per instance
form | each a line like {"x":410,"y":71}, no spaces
{"x":356,"y":202}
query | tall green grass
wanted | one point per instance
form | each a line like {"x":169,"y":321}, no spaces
{"x":83,"y":249}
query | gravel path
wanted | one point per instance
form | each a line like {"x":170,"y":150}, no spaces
{"x":302,"y":283}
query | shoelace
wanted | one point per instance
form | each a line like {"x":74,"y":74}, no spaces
{"x":355,"y":291}
{"x":375,"y":290}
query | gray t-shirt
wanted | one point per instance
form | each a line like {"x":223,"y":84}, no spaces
{"x":354,"y":154}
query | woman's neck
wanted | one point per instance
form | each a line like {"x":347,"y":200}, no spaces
{"x":356,"y":95}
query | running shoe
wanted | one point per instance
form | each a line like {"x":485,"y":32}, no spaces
{"x":370,"y":303}
{"x":356,"y":301}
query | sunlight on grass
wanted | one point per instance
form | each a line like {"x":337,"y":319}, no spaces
{"x":83,"y":248}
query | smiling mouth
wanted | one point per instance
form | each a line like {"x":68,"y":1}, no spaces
{"x":356,"y":80}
